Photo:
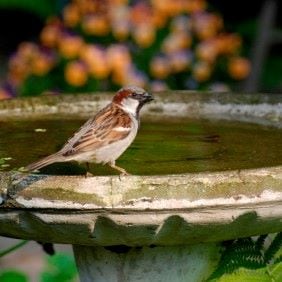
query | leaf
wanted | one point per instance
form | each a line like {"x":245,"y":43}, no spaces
{"x":246,"y":275}
{"x":260,"y":242}
{"x":60,"y":267}
{"x":275,"y":271}
{"x":240,"y":253}
{"x":13,"y":276}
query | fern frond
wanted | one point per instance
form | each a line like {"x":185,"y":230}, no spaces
{"x":249,"y":254}
{"x":240,"y":253}
{"x":273,"y":248}
{"x":243,"y":274}
{"x":260,"y":242}
{"x":278,"y":259}
{"x":275,"y":271}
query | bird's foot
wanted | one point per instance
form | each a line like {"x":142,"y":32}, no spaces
{"x":123,"y":173}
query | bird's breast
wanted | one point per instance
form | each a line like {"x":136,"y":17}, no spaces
{"x":113,"y":151}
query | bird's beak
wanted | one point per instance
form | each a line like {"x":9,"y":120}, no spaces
{"x":148,"y":97}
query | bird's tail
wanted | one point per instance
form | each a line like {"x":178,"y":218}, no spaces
{"x":44,"y":162}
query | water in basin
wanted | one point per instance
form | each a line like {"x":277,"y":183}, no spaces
{"x":167,"y":147}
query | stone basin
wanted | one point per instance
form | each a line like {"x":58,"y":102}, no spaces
{"x":210,"y":204}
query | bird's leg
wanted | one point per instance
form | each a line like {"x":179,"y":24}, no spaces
{"x":88,"y":173}
{"x":120,"y":169}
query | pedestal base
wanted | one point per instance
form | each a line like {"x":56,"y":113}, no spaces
{"x":158,"y":264}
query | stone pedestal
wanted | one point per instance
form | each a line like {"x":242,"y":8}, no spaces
{"x":146,"y":264}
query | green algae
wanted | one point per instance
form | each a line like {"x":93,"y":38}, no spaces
{"x":161,"y":147}
{"x":61,"y":194}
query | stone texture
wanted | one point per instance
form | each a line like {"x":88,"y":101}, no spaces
{"x":257,"y":108}
{"x":143,"y":210}
{"x":158,"y":264}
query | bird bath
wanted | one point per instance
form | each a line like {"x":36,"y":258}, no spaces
{"x":206,"y":168}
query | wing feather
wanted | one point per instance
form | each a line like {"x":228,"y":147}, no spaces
{"x":101,"y":130}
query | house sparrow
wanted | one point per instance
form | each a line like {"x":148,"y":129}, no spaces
{"x":104,"y":137}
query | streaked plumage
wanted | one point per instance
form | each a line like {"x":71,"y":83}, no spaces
{"x":103,"y":138}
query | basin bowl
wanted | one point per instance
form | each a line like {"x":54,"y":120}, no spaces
{"x":206,"y":168}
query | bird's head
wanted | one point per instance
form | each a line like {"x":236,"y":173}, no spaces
{"x":132,"y":98}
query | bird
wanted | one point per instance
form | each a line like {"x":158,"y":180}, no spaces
{"x":103,"y":138}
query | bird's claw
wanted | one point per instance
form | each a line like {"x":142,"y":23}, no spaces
{"x":124,"y":173}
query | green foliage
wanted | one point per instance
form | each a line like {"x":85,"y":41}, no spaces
{"x":250,"y":260}
{"x":247,"y":259}
{"x":60,"y":267}
{"x":240,"y":253}
{"x":42,"y":8}
{"x":247,"y":29}
{"x":271,"y":74}
{"x":243,"y":274}
{"x":12,"y":276}
{"x":35,"y":85}
{"x":271,"y":273}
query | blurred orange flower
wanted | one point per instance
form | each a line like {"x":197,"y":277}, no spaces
{"x":76,"y":73}
{"x":156,"y":44}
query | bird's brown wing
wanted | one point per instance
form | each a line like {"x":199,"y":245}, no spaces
{"x":99,"y":131}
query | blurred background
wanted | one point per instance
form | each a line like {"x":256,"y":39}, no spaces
{"x":57,"y":47}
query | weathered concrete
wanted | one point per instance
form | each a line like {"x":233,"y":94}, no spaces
{"x":158,"y":264}
{"x":257,"y":108}
{"x":143,"y":210}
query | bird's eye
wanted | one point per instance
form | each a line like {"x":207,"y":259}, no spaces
{"x":134,"y":95}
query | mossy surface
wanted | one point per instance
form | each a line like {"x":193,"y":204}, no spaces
{"x":60,"y":194}
{"x":168,"y":147}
